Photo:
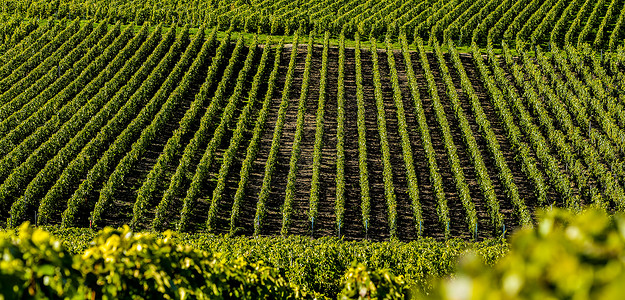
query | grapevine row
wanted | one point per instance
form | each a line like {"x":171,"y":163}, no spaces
{"x":452,"y":153}
{"x":38,"y":65}
{"x":513,"y":21}
{"x":21,"y":38}
{"x":52,"y":117}
{"x":411,"y":175}
{"x":576,"y":24}
{"x":339,"y":207}
{"x":41,"y":90}
{"x":270,"y":164}
{"x":61,"y":102}
{"x":505,"y":175}
{"x":554,"y":136}
{"x":252,"y":149}
{"x":476,"y":157}
{"x":238,"y":133}
{"x":365,"y":198}
{"x":201,"y":172}
{"x":57,"y":131}
{"x":387,"y":171}
{"x":100,"y":108}
{"x":436,"y":180}
{"x":287,"y":207}
{"x":116,"y":135}
{"x":49,"y":31}
{"x":316,"y":166}
{"x":559,"y":180}
{"x":193,"y":61}
{"x":199,"y":138}
{"x":158,"y":106}
{"x":498,"y":99}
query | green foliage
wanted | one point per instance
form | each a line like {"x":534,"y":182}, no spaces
{"x":567,"y":256}
{"x":154,"y":109}
{"x":175,"y":144}
{"x":61,"y":171}
{"x":493,"y":144}
{"x":387,"y":171}
{"x":287,"y":207}
{"x":450,"y":147}
{"x":327,"y":266}
{"x":270,"y":165}
{"x":365,"y":199}
{"x":319,"y":264}
{"x":193,"y":60}
{"x":121,"y":264}
{"x":436,"y":180}
{"x":317,"y":150}
{"x":253,"y":147}
{"x":228,"y":116}
{"x":35,"y":265}
{"x":560,"y":22}
{"x":35,"y":136}
{"x":339,"y":207}
{"x":411,"y":176}
{"x":362,"y":283}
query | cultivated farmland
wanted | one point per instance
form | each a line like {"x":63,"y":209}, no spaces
{"x":366,"y":119}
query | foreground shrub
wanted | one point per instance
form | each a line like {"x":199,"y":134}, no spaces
{"x":567,"y":256}
{"x":119,"y":264}
{"x":122,"y":265}
{"x":319,"y":265}
{"x":360,"y":282}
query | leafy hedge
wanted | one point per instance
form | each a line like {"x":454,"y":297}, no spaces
{"x":567,"y":256}
{"x":122,"y":265}
{"x":118,"y":263}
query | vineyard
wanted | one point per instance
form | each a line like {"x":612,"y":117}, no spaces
{"x":518,"y":22}
{"x":366,"y":120}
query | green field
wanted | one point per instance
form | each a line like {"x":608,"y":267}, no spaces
{"x":362,"y":120}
